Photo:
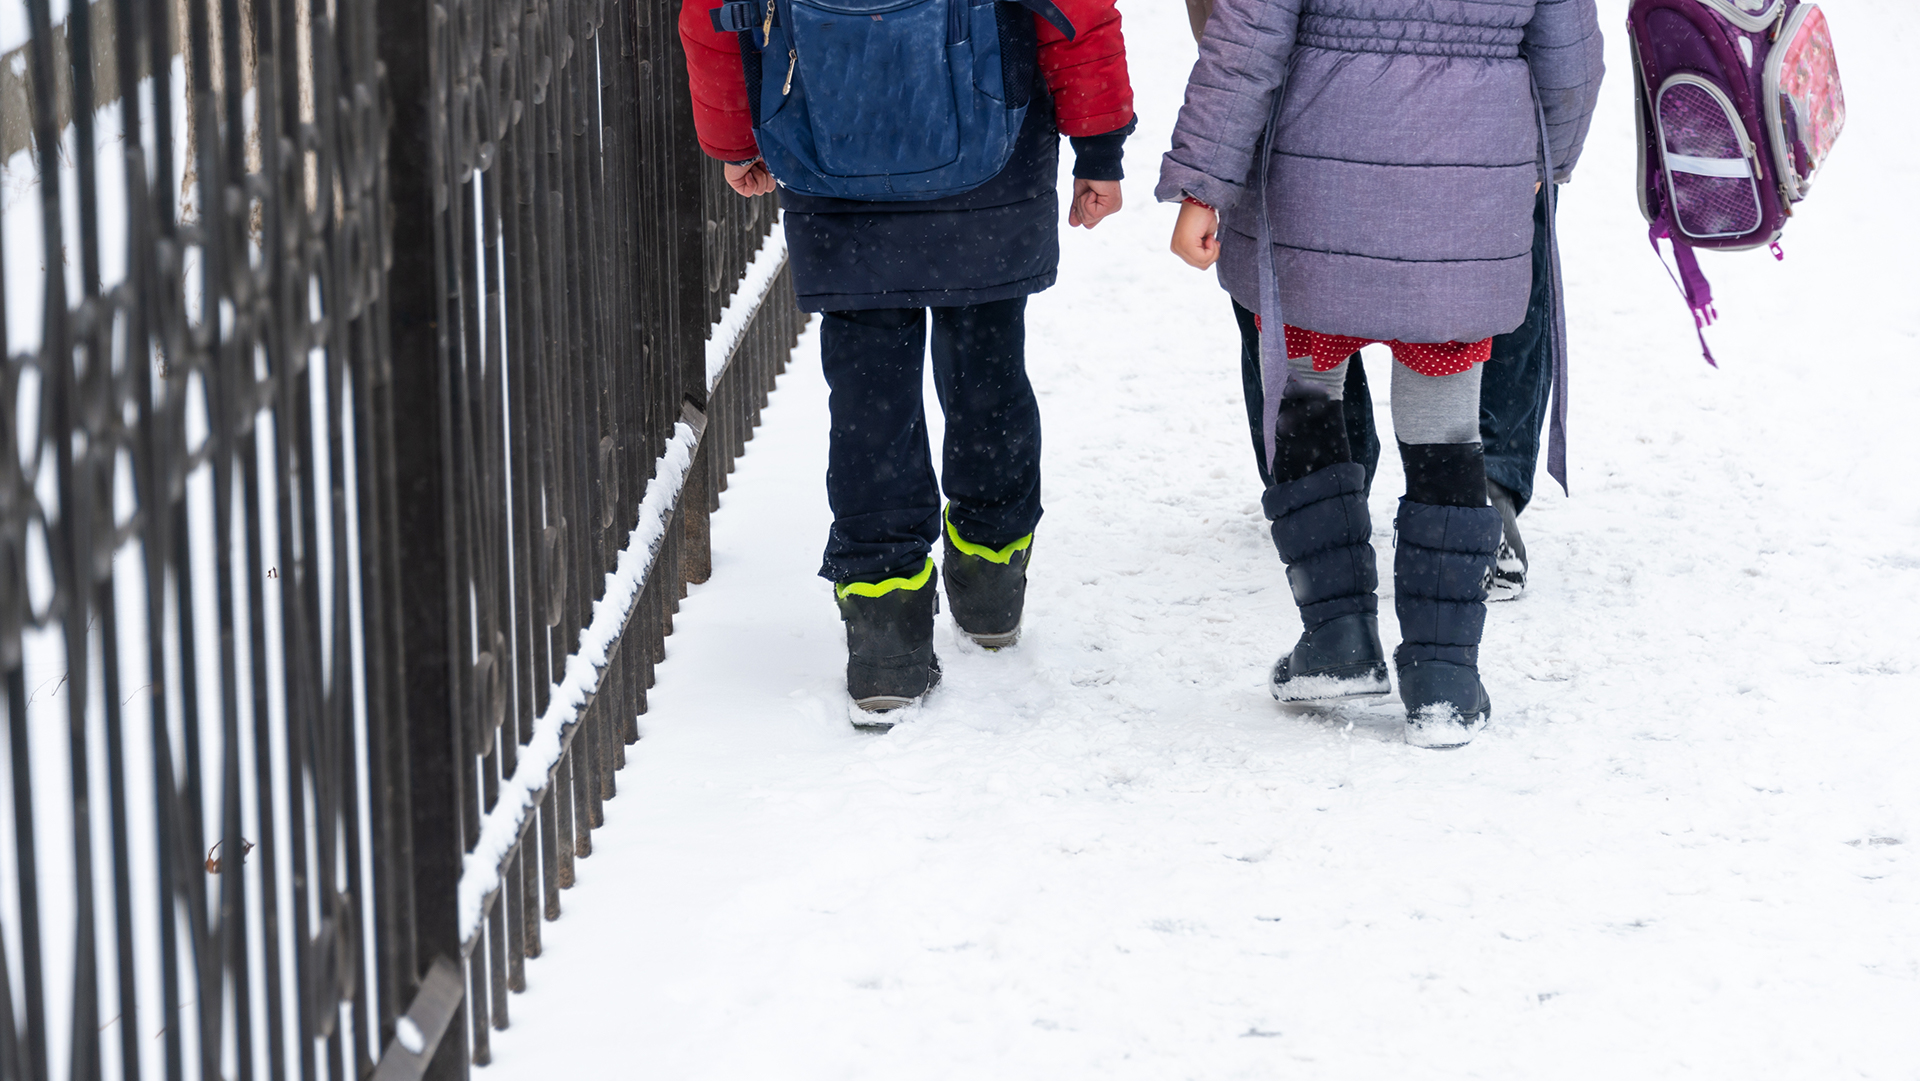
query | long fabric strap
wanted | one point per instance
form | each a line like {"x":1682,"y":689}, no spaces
{"x":1557,"y":418}
{"x":1273,"y":336}
{"x":1693,"y":285}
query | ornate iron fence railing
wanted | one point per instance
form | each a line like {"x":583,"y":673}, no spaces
{"x":371,"y":367}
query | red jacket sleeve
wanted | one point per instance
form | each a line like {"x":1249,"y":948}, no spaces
{"x":1088,"y":75}
{"x":720,"y":113}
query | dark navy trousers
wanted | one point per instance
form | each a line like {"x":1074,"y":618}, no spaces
{"x":1514,"y":387}
{"x":880,"y":477}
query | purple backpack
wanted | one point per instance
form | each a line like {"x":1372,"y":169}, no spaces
{"x":1739,"y":104}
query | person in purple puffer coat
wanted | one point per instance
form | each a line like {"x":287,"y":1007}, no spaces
{"x":1365,"y":171}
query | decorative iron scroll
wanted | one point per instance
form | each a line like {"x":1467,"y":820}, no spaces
{"x":350,"y":348}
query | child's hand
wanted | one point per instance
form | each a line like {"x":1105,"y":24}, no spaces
{"x":750,"y":179}
{"x":1195,"y":236}
{"x":1092,"y":201}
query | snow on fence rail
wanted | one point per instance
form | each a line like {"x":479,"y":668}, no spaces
{"x":359,"y":444}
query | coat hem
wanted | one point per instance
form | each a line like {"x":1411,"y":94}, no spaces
{"x":923,"y":298}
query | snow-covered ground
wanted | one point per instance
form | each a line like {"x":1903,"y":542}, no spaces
{"x":1689,"y":844}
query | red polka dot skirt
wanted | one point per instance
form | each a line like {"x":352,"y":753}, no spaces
{"x":1427,"y":358}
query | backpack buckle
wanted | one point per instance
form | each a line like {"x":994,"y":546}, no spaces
{"x":735,"y":16}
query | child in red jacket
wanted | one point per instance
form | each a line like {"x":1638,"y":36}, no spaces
{"x":875,"y":268}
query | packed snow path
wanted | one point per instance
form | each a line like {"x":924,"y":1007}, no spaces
{"x":1688,"y":845}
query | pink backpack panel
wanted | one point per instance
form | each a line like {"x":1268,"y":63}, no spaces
{"x":1805,"y":106}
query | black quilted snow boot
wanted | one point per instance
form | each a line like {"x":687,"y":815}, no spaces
{"x":1442,"y":556}
{"x":890,"y":661}
{"x":987,"y":588}
{"x":1321,"y":527}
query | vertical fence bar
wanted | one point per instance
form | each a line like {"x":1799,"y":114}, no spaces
{"x":413,"y":48}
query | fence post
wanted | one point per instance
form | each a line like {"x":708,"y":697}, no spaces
{"x":422,"y":466}
{"x":690,"y":225}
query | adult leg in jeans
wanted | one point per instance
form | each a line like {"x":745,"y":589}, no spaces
{"x":1513,"y":409}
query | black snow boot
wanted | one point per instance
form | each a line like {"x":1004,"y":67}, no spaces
{"x":1321,"y":527}
{"x":987,"y":588}
{"x":890,"y":661}
{"x":1510,"y":563}
{"x":1442,"y":555}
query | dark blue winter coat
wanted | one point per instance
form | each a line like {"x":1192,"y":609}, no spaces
{"x":999,"y":240}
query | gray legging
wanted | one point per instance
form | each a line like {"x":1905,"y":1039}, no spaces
{"x":1426,"y":408}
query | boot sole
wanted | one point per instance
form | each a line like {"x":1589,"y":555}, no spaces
{"x":1445,"y":734}
{"x":1344,"y":684}
{"x":991,"y":641}
{"x":1439,"y":720}
{"x":879,"y":712}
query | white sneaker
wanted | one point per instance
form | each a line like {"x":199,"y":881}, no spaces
{"x":1509,"y":577}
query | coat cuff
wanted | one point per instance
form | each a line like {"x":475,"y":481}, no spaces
{"x":1178,"y":181}
{"x":1097,"y":157}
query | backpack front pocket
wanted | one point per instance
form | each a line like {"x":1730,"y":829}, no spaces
{"x":1711,"y":177}
{"x":879,"y":94}
{"x":1805,"y":106}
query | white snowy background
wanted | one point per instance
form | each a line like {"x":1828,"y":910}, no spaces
{"x":1686,"y":847}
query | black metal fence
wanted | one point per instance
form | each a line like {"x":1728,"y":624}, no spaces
{"x":371,"y":367}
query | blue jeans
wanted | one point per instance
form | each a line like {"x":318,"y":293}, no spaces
{"x":1514,"y":388}
{"x":880,"y":478}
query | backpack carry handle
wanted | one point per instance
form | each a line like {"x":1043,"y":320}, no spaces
{"x":736,"y":16}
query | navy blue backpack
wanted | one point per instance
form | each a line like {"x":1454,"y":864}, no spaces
{"x":887,"y":100}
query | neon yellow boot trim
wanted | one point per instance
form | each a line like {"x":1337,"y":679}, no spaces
{"x":1004,"y":555}
{"x":881,"y":589}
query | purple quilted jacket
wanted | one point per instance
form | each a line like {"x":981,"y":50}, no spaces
{"x":1401,"y":187}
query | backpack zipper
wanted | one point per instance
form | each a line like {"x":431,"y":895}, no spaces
{"x":793,"y":58}
{"x":766,"y":28}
